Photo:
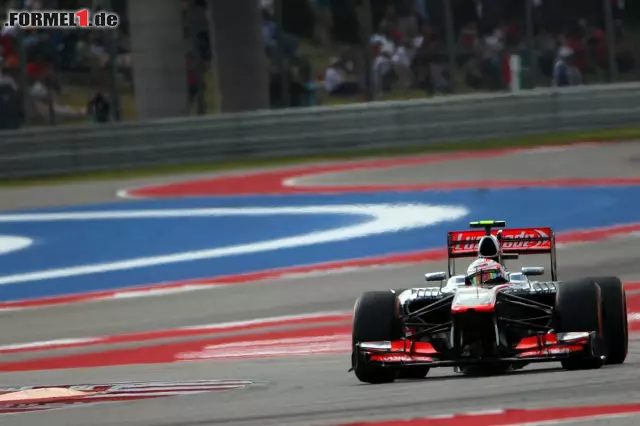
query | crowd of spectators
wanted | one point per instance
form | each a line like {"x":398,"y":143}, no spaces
{"x":80,"y":56}
{"x":58,"y":59}
{"x":409,"y":45}
{"x":407,"y":50}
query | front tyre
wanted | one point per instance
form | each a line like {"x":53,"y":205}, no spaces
{"x":375,"y":318}
{"x":579,"y":309}
{"x":614,"y":318}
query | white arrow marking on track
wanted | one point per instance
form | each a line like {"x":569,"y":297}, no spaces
{"x":384,"y":218}
{"x":10,"y":243}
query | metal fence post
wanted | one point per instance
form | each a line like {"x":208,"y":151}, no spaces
{"x":199,"y":68}
{"x":366,"y":30}
{"x":215,"y":71}
{"x":112,"y":47}
{"x":24,"y":77}
{"x":451,"y":42}
{"x":22,"y":69}
{"x":281,"y":60}
{"x":611,"y":44}
{"x":531,"y":48}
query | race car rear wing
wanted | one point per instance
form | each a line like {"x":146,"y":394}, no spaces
{"x":513,"y":241}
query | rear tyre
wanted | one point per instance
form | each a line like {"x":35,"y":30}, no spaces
{"x":375,"y":318}
{"x":579,"y":308}
{"x":614,"y":318}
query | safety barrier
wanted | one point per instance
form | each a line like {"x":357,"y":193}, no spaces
{"x":315,"y":131}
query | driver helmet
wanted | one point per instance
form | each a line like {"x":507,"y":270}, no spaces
{"x":485,"y":271}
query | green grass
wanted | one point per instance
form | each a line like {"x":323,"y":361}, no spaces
{"x":612,"y":135}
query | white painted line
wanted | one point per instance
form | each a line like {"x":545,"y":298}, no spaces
{"x":126,"y":193}
{"x":383,"y":219}
{"x":353,"y":209}
{"x":48,"y":343}
{"x":128,"y":294}
{"x":265,"y":321}
{"x":292,"y":182}
{"x":490,"y":412}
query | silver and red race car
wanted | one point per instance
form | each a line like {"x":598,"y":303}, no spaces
{"x":489,"y":329}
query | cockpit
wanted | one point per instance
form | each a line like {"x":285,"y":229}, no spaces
{"x":518,"y":279}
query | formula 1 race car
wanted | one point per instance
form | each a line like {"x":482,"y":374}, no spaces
{"x":490,"y":326}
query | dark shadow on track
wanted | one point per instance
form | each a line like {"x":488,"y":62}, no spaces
{"x":460,"y":376}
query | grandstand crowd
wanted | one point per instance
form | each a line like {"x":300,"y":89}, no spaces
{"x":405,"y":46}
{"x":410,"y":51}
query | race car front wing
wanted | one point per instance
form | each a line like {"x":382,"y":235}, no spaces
{"x":542,"y":348}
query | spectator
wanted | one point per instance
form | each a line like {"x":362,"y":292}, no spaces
{"x":468,"y":43}
{"x":390,"y":19}
{"x":596,"y":47}
{"x":337,"y":80}
{"x":268,"y":31}
{"x":625,"y":54}
{"x":386,"y":60}
{"x":439,"y":75}
{"x":473,"y":73}
{"x":8,"y":49}
{"x":574,"y":39}
{"x":401,"y":60}
{"x":546,"y":48}
{"x":565,"y":72}
{"x":404,"y":56}
{"x":5,"y":78}
{"x":468,"y":39}
{"x":406,"y":13}
{"x":491,"y":48}
{"x":10,"y":111}
{"x":99,"y":108}
{"x":425,"y":54}
{"x":43,"y":95}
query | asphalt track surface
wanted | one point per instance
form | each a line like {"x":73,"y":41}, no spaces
{"x":317,"y":389}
